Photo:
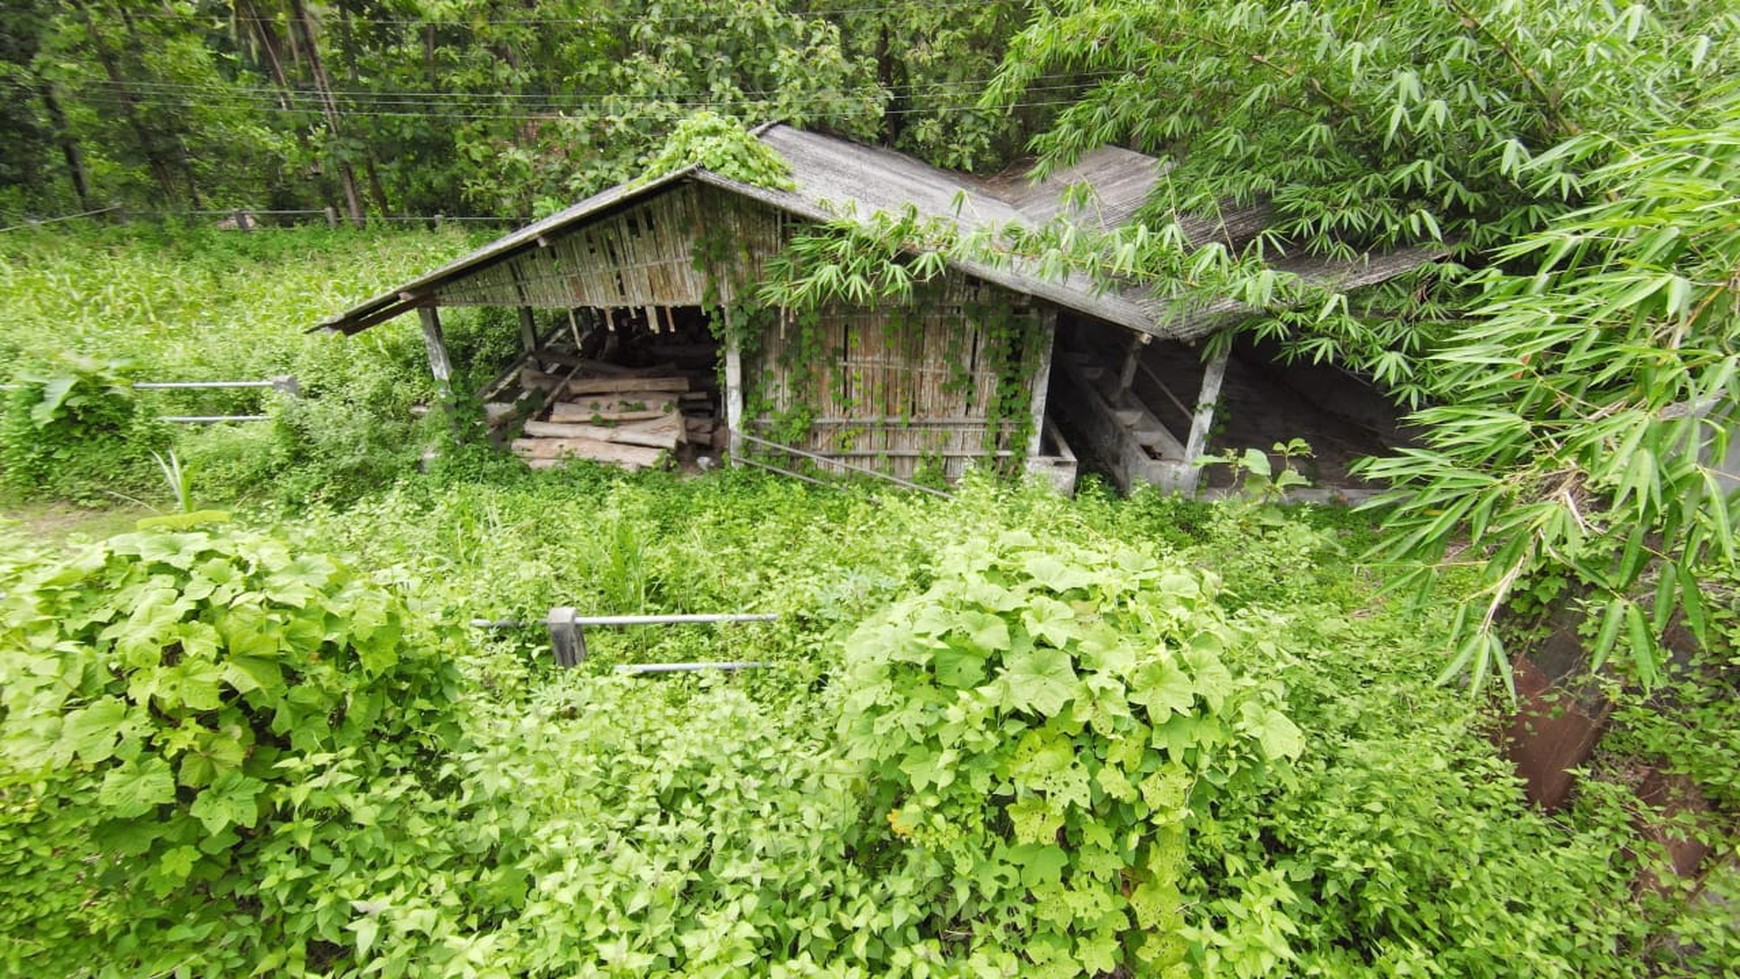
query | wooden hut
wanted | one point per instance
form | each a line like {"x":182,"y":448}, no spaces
{"x":966,"y":370}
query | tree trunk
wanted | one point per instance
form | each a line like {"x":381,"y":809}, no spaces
{"x":154,"y":158}
{"x":304,"y":27}
{"x":270,"y":57}
{"x":69,"y":147}
{"x":182,"y":156}
{"x":377,"y":192}
{"x":265,"y":34}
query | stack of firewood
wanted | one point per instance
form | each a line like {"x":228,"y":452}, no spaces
{"x":631,"y":418}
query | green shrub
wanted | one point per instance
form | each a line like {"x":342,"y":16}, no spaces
{"x":79,"y":435}
{"x":1042,"y":729}
{"x":167,"y":701}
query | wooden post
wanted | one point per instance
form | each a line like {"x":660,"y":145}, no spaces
{"x":1132,"y":360}
{"x":1047,"y":339}
{"x":243,"y":222}
{"x":287,"y":385}
{"x":528,"y":330}
{"x":436,"y":345}
{"x":733,"y":388}
{"x":1197,"y":443}
{"x":566,"y":638}
{"x":331,"y":216}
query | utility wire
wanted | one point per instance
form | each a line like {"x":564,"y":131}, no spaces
{"x":527,"y":114}
{"x":272,"y":92}
{"x":588,"y":19}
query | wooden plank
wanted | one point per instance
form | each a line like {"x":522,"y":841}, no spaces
{"x":667,"y":437}
{"x":611,"y":410}
{"x":436,"y":346}
{"x":583,"y":448}
{"x":1155,"y":378}
{"x":627,"y":385}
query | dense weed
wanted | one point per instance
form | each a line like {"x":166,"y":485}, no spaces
{"x":541,"y":822}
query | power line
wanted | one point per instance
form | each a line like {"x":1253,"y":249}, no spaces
{"x":273,"y":93}
{"x":526,"y":115}
{"x":590,"y":18}
{"x":482,"y":106}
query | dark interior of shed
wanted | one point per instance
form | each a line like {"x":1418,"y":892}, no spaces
{"x":1148,"y":394}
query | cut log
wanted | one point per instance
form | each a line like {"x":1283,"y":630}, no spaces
{"x":582,"y":448}
{"x":497,"y":413}
{"x":534,"y":379}
{"x":665,"y":437}
{"x":610,"y":410}
{"x":628,"y":385}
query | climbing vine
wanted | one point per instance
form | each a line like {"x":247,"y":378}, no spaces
{"x":897,"y":264}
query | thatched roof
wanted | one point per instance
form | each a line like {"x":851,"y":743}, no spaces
{"x":833,"y":177}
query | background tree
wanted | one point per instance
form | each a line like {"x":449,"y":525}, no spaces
{"x":1573,"y":155}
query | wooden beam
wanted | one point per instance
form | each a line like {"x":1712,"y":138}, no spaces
{"x":1042,"y":380}
{"x":733,"y":387}
{"x":1197,"y":443}
{"x":1132,"y":359}
{"x":528,"y":330}
{"x":436,"y":345}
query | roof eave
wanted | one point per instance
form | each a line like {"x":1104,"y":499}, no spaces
{"x":368,"y":312}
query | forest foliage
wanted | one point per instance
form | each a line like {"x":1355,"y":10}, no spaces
{"x":999,"y":734}
{"x":461,"y":106}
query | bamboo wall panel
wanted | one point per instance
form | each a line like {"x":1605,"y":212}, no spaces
{"x":641,"y":256}
{"x":895,"y":387}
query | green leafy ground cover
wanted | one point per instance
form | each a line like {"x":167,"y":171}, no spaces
{"x":1001,"y":735}
{"x":1006,"y":734}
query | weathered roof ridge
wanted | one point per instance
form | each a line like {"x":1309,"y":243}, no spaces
{"x":833,"y":177}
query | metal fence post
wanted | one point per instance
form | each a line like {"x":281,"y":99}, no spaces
{"x":566,"y":637}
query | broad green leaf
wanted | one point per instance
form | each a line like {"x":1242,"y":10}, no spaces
{"x":1161,"y":687}
{"x":178,"y":862}
{"x":988,"y":632}
{"x":135,"y":789}
{"x":1051,"y":620}
{"x":229,"y":801}
{"x":959,"y":666}
{"x":1279,"y":737}
{"x":1040,"y":864}
{"x":54,"y":393}
{"x":249,"y":673}
{"x":93,"y":731}
{"x":1039,"y":679}
{"x":1034,"y":820}
{"x":1056,"y":574}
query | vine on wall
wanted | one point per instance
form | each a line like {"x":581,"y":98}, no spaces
{"x":826,"y":272}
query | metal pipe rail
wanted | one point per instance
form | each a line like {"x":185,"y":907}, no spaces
{"x":285,"y":384}
{"x":568,"y":633}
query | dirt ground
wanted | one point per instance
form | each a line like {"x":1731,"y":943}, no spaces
{"x":58,"y":523}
